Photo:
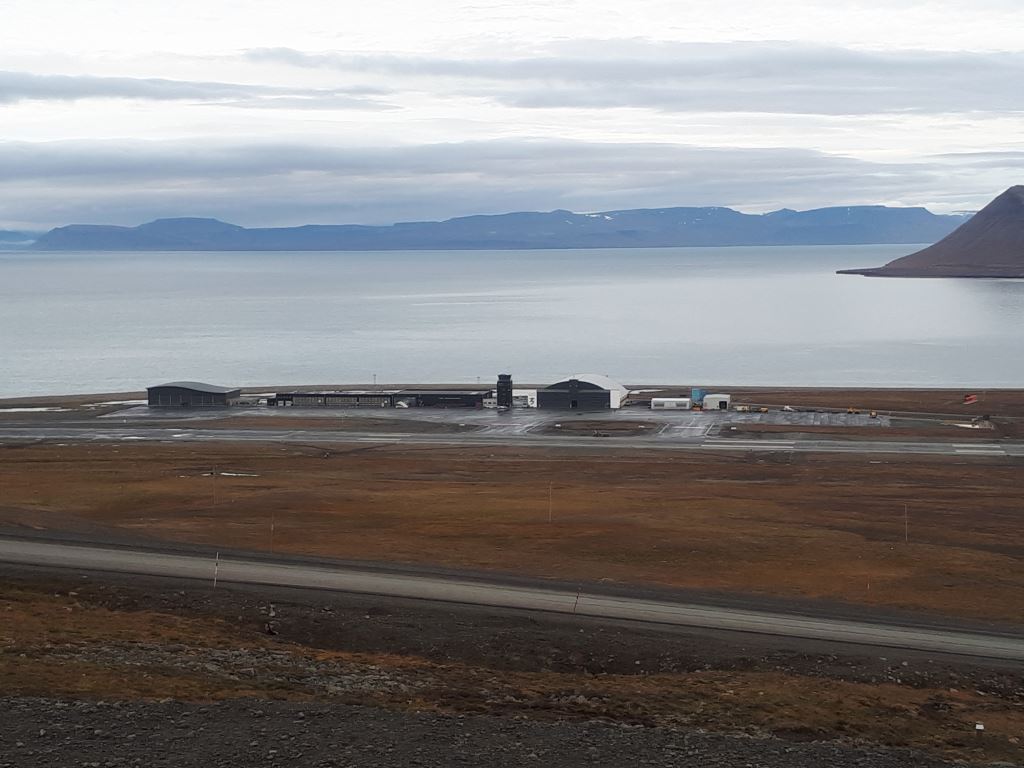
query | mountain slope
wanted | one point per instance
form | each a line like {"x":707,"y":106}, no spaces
{"x":990,"y":244}
{"x":638,"y":228}
{"x":15,"y":239}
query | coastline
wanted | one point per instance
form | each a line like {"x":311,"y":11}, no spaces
{"x":966,"y":273}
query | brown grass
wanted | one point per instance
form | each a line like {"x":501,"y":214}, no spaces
{"x":789,"y":525}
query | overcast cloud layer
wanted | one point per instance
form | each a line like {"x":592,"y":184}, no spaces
{"x":330,"y":113}
{"x":726,"y":77}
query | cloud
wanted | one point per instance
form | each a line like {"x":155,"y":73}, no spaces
{"x":1010,"y":160}
{"x":275,"y":184}
{"x":26,"y":86}
{"x":791,"y":78}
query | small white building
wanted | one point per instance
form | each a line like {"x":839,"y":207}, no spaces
{"x":671,"y":404}
{"x":717,"y":402}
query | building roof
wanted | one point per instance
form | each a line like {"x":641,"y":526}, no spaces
{"x":484,"y":392}
{"x":197,"y":386}
{"x":598,"y":380}
{"x":344,"y":392}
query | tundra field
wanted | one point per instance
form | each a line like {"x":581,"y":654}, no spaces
{"x":924,"y":533}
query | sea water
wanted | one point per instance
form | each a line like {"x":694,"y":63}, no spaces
{"x":106,"y":322}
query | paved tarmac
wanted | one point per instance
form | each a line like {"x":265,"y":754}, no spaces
{"x":662,"y":440}
{"x":518,"y":420}
{"x":498,"y":595}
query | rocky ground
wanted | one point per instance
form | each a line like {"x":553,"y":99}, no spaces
{"x":126,"y":671}
{"x":38,"y":733}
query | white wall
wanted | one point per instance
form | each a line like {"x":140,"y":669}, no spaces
{"x":711,"y":401}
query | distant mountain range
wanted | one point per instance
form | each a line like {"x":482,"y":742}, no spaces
{"x":641,"y":228}
{"x":9,"y":239}
{"x":990,"y":244}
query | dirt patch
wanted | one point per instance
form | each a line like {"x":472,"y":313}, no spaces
{"x":1006,"y":402}
{"x":68,"y":401}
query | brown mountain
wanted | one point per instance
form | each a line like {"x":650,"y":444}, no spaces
{"x":990,"y":244}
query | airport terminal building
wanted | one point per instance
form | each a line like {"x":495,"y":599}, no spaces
{"x":582,"y":392}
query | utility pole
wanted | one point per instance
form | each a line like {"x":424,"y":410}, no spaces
{"x":551,"y":492}
{"x":216,"y":570}
{"x":273,"y":520}
{"x":906,"y":525}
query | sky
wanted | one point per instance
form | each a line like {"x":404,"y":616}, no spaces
{"x":335,"y":111}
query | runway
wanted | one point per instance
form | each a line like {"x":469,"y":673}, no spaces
{"x":494,"y":594}
{"x":663,"y":441}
